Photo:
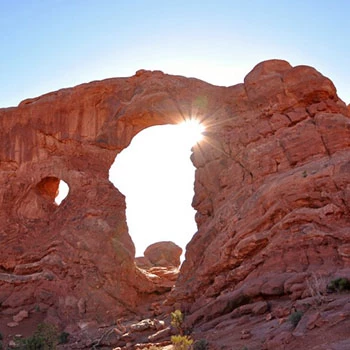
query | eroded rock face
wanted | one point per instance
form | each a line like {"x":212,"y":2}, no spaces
{"x":272,"y":197}
{"x":77,"y":259}
{"x":272,"y":193}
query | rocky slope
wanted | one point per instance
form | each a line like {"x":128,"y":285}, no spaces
{"x":272,"y":195}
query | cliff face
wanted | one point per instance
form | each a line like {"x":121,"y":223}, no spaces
{"x":272,"y":193}
{"x":272,"y":187}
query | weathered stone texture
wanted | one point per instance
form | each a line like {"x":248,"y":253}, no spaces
{"x":272,"y":193}
{"x":163,"y":254}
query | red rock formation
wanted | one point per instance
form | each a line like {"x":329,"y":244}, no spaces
{"x":272,"y":196}
{"x":163,"y":254}
{"x":275,"y":187}
{"x":76,"y":260}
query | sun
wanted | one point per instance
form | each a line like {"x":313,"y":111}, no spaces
{"x":191,"y":130}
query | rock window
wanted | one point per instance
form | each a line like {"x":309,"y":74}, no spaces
{"x":53,"y":189}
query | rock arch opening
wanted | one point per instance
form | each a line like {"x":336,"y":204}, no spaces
{"x":156,"y":176}
{"x":53,"y":189}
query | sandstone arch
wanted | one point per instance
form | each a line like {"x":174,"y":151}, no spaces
{"x":272,"y":176}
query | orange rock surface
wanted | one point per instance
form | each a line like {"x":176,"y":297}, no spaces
{"x":272,"y":195}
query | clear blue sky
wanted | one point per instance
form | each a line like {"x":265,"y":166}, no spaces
{"x":50,"y":44}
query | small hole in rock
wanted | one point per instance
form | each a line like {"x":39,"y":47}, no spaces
{"x":53,"y":189}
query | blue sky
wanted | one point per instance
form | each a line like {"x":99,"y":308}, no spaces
{"x":51,"y":44}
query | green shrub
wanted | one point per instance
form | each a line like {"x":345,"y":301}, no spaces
{"x":181,"y":342}
{"x":339,"y":285}
{"x":201,"y":344}
{"x":177,"y":319}
{"x":44,"y":338}
{"x":63,"y":338}
{"x":295,"y":317}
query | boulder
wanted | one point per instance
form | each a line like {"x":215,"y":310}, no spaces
{"x":163,"y":254}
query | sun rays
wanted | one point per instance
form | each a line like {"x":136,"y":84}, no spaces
{"x":191,"y":131}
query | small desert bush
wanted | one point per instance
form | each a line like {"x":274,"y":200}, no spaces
{"x":317,"y":287}
{"x":181,"y":342}
{"x":339,"y":285}
{"x":177,"y":319}
{"x":44,"y":338}
{"x":295,"y":317}
{"x":63,"y":338}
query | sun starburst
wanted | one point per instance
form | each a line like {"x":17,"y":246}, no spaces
{"x":191,"y":130}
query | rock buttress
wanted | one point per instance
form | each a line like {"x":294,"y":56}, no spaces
{"x":272,"y":193}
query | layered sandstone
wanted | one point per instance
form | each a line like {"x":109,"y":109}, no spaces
{"x":272,"y":187}
{"x":272,"y":195}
